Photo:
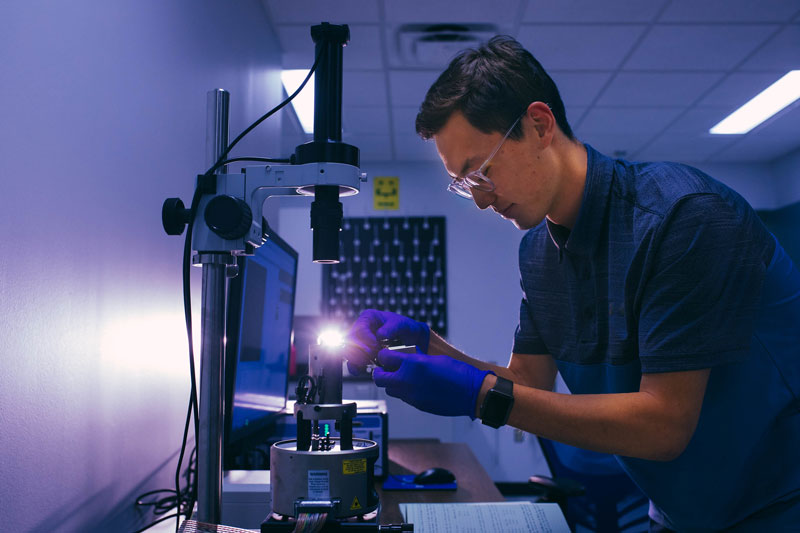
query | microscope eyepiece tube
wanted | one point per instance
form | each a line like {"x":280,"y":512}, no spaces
{"x":326,"y":223}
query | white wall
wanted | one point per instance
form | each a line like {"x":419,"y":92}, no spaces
{"x":103,"y":117}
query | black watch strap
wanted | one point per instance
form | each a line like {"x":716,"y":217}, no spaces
{"x":497,"y":404}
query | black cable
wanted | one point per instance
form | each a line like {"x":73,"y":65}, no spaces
{"x":268,"y":114}
{"x":187,"y":310}
{"x":161,"y":505}
{"x":259,"y":159}
{"x":170,"y":502}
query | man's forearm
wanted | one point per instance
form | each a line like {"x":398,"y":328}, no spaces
{"x":636,"y":424}
{"x":532,"y":370}
{"x":439,"y":346}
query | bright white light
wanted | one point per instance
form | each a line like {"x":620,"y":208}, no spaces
{"x":303,"y":103}
{"x":152,"y":342}
{"x":765,"y":104}
{"x":331,"y":338}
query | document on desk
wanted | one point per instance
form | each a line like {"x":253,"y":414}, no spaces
{"x":481,"y":517}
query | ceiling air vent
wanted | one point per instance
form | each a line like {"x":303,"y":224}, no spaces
{"x":434,"y":45}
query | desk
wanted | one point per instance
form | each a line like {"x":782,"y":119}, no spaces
{"x":410,"y":456}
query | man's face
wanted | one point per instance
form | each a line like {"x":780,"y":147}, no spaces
{"x":523,"y":190}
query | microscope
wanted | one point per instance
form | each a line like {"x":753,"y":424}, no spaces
{"x":319,"y":483}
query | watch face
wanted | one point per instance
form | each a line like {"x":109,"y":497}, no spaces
{"x":497,"y":404}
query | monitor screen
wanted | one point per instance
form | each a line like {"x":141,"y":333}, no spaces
{"x":259,"y":328}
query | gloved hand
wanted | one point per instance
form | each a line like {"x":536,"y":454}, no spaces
{"x":437,"y":384}
{"x":372,"y":325}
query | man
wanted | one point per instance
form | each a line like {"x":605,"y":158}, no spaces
{"x":671,"y":312}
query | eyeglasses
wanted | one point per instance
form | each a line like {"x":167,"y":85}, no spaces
{"x":477,"y":179}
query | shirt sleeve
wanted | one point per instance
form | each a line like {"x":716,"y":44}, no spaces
{"x":701,"y":295}
{"x":526,"y":338}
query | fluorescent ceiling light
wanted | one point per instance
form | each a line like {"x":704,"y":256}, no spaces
{"x":765,"y":104}
{"x":303,"y":103}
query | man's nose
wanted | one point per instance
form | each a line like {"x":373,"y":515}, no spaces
{"x":482,"y":199}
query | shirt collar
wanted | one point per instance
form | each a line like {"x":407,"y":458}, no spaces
{"x":583,"y":238}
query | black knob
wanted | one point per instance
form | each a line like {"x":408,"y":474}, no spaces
{"x":228,"y":216}
{"x":174,"y":216}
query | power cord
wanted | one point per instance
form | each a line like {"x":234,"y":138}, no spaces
{"x":187,"y":306}
{"x":169,"y":501}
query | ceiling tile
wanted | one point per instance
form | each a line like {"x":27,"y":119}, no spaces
{"x":372,"y":147}
{"x":646,"y":122}
{"x":362,"y":52}
{"x":360,"y":120}
{"x":695,"y":123}
{"x":316,"y":11}
{"x":737,"y":89}
{"x":688,"y":139}
{"x":574,"y":114}
{"x":685,"y":150}
{"x":364,"y":89}
{"x":571,"y":11}
{"x":412,"y":148}
{"x":579,"y":88}
{"x":729,"y":11}
{"x":623,"y":145}
{"x":579,"y":47}
{"x":757,"y":148}
{"x":408,"y":87}
{"x":697,"y":47}
{"x":404,"y":119}
{"x":784,"y":123}
{"x":657,"y":89}
{"x":474,"y":11}
{"x":781,"y":53}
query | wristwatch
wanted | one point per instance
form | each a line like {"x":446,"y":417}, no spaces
{"x":497,"y":404}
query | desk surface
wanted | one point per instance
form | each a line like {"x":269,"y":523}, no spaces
{"x":415,"y":455}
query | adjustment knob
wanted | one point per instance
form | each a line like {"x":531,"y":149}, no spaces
{"x":228,"y":216}
{"x":174,"y":216}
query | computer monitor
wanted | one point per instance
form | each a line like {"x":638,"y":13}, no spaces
{"x":259,"y":328}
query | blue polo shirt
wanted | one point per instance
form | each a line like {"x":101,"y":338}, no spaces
{"x":669,"y":270}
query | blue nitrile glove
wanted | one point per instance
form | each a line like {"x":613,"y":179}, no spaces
{"x":371,"y":326}
{"x":437,"y":384}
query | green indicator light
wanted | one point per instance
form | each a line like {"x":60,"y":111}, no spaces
{"x":327,"y":430}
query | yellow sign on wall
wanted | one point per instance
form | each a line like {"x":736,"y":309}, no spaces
{"x":386,"y":192}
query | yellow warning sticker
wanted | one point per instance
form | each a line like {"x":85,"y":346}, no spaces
{"x":354,"y":466}
{"x":386,"y":192}
{"x":355,"y":505}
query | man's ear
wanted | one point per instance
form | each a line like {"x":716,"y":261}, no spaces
{"x":544,"y":123}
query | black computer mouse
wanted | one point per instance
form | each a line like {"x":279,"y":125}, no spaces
{"x":434,"y":476}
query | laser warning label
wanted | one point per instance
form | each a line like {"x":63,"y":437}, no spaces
{"x":354,"y":466}
{"x":356,"y":505}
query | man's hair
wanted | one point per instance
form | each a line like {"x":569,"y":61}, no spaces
{"x":491,"y":86}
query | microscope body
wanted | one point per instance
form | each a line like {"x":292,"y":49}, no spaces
{"x":230,"y":218}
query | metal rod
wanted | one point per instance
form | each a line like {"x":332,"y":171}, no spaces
{"x":217,"y":105}
{"x":212,"y":368}
{"x":209,"y":447}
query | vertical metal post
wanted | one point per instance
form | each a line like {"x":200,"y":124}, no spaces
{"x":212,"y":379}
{"x":217,"y":105}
